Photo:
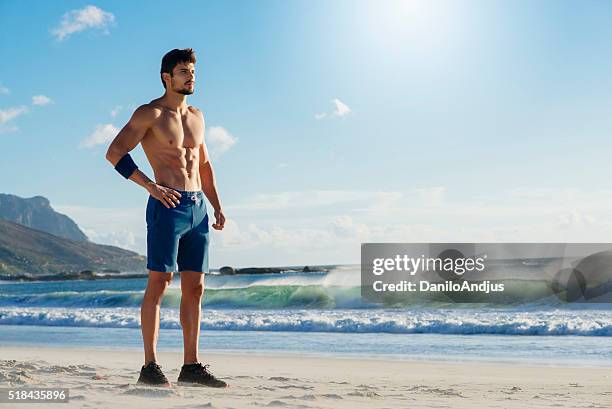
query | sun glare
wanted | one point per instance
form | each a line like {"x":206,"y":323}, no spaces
{"x":414,"y":24}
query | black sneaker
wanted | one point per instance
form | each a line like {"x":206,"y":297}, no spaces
{"x":152,"y":374}
{"x":198,"y":374}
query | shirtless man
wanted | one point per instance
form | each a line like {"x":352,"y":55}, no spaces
{"x":172,"y":136}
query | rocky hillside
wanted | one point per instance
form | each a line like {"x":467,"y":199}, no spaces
{"x":36,"y":213}
{"x":26,"y":250}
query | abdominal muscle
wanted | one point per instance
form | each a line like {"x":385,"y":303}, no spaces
{"x":174,"y":167}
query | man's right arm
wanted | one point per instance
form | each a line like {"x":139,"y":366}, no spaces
{"x":126,"y":140}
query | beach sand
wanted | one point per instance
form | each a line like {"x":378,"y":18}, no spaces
{"x":107,"y":379}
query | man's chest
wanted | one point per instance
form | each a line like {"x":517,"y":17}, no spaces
{"x":179,"y":130}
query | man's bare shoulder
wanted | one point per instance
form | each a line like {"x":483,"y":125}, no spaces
{"x":147,"y":112}
{"x":196,"y":111}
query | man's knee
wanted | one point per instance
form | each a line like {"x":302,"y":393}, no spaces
{"x":158,"y":282}
{"x":192,"y":285}
{"x":193,"y":291}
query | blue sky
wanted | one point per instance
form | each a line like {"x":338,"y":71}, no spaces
{"x":331,"y":122}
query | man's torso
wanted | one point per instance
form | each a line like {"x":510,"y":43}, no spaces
{"x":172,"y":145}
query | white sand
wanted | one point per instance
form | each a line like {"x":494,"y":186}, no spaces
{"x":107,"y":379}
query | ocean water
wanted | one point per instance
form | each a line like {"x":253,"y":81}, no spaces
{"x":308,"y":313}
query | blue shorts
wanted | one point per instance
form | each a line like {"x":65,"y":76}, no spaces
{"x":177,"y":238}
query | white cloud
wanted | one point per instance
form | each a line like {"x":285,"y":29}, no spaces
{"x":340,"y":110}
{"x":219,"y":140}
{"x":431,"y":195}
{"x":307,"y":199}
{"x":119,"y":237}
{"x":269,"y":237}
{"x":12,"y":113}
{"x":41,"y":100}
{"x":321,"y":227}
{"x":121,"y":227}
{"x":89,"y":17}
{"x":7,"y":116}
{"x":531,"y":216}
{"x":575,"y":220}
{"x":8,"y":128}
{"x":116,"y":110}
{"x":346,"y":227}
{"x":101,"y":135}
{"x":4,"y":90}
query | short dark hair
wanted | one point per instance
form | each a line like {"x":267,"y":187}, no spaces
{"x":174,"y":57}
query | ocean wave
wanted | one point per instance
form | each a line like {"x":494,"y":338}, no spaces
{"x":334,"y":290}
{"x":462,"y":322}
{"x":276,"y":296}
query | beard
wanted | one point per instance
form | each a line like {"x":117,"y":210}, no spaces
{"x":185,"y":91}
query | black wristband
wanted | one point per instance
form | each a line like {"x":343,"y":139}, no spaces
{"x":126,"y":166}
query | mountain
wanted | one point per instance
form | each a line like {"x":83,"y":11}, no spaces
{"x":26,"y":250}
{"x":37,"y":213}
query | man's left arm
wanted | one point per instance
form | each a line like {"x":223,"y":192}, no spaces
{"x":209,"y":187}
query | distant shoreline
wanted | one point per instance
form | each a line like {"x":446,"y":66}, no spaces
{"x":113,"y":274}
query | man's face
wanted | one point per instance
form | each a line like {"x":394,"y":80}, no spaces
{"x":183,"y":78}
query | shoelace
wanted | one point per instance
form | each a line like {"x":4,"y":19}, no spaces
{"x":203,"y":369}
{"x":156,"y":371}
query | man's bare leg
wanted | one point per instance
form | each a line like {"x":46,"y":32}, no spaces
{"x":149,"y":312}
{"x":192,"y":289}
